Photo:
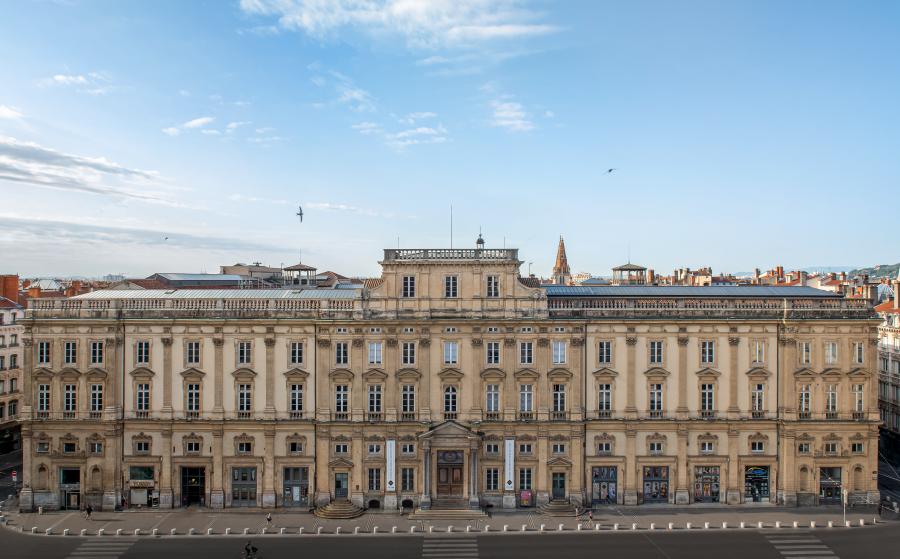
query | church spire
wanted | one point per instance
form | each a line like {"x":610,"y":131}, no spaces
{"x":561,"y":273}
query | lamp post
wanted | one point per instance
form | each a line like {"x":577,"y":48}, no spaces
{"x":844,"y":501}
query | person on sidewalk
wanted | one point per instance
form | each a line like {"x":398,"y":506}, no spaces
{"x":268,"y":520}
{"x":88,"y":510}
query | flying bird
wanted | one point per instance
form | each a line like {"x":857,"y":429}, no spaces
{"x":609,"y":171}
{"x":300,"y":213}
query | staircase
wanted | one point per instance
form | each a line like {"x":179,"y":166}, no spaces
{"x":558,"y":507}
{"x":448,"y":509}
{"x":338,"y":510}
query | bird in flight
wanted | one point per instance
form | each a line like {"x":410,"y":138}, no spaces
{"x":300,"y":213}
{"x":609,"y":171}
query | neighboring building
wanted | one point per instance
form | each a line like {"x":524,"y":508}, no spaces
{"x":889,"y":368}
{"x":255,"y":274}
{"x":188,"y":281}
{"x":11,"y":332}
{"x":629,"y":274}
{"x":450,"y":380}
{"x":562,"y":275}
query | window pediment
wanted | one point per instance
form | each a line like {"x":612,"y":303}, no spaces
{"x":758,"y":437}
{"x":409,"y":374}
{"x":527,"y":374}
{"x":244,"y":373}
{"x":656,"y":373}
{"x":805,"y":437}
{"x":860,"y":373}
{"x":759,"y":373}
{"x":805,"y":373}
{"x":142,"y":372}
{"x":708,"y":373}
{"x":42,"y":372}
{"x":375,"y":375}
{"x":831,"y":437}
{"x":603,"y":437}
{"x":296,"y":374}
{"x":493,"y":373}
{"x":656,"y":437}
{"x":709,"y":437}
{"x":605,"y":373}
{"x":559,"y":461}
{"x":832,"y":373}
{"x":450,"y":374}
{"x":858,"y":437}
{"x":95,"y":373}
{"x":341,"y":375}
{"x":192,"y":374}
{"x":560,"y":374}
{"x":340,"y":463}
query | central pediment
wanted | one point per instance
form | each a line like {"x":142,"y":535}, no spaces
{"x":449,"y":429}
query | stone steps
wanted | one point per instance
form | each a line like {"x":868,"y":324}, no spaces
{"x":338,"y":510}
{"x":558,"y":508}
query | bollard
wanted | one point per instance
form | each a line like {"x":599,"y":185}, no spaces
{"x":487,"y":527}
{"x":796,"y":524}
{"x":597,"y":527}
{"x":137,"y":531}
{"x":394,"y":529}
{"x":862,"y":522}
{"x":846,"y":524}
{"x":338,"y":530}
{"x":264,"y":531}
{"x":412,"y":529}
{"x":506,"y":527}
{"x":300,"y":531}
{"x":468,"y":528}
{"x":65,"y":531}
{"x":118,"y":531}
{"x":450,"y":529}
{"x":561,"y":527}
{"x":579,"y":527}
{"x":40,"y":510}
{"x":282,"y":531}
{"x":101,"y":531}
{"x":34,"y":529}
{"x":193,"y":532}
{"x":724,"y":525}
{"x":687,"y":526}
{"x":634,"y":526}
{"x":319,"y":530}
{"x":671,"y":525}
{"x":653,"y":526}
{"x":227,"y":531}
{"x":706,"y":525}
{"x":615,"y":526}
{"x":173,"y":532}
{"x":431,"y":529}
{"x":83,"y":532}
{"x":778,"y":524}
{"x":760,"y":525}
{"x":356,"y":530}
{"x":830,"y":524}
{"x":209,"y":531}
{"x":49,"y":531}
{"x":374,"y":529}
{"x":741,"y":525}
{"x":524,"y":527}
{"x":812,"y":523}
{"x":542,"y":528}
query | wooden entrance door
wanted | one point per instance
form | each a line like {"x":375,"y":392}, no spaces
{"x":450,"y":481}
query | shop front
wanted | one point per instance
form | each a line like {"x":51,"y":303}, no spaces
{"x":193,"y":486}
{"x":604,"y":484}
{"x":830,"y":485}
{"x":243,"y":486}
{"x":756,"y":484}
{"x":69,"y":488}
{"x":296,"y":487}
{"x":656,"y":484}
{"x":706,"y":484}
{"x":141,"y":487}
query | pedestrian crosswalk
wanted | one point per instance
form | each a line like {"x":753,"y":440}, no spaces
{"x":803,"y":545}
{"x":448,"y":546}
{"x":108,"y":547}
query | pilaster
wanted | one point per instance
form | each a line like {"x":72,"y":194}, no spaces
{"x":631,"y":378}
{"x":733,"y":408}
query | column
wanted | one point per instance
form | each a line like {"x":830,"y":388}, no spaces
{"x":217,"y":475}
{"x":474,"y":502}
{"x":787,"y":480}
{"x":424,"y":358}
{"x":268,"y":477}
{"x":167,"y":381}
{"x":682,"y":480}
{"x":114,"y":351}
{"x":509,"y":473}
{"x":27,"y":385}
{"x":733,"y":376}
{"x":112,"y":468}
{"x":788,"y":360}
{"x":391,"y":386}
{"x":270,"y":379}
{"x":26,"y":495}
{"x":577,"y":489}
{"x":219,"y":377}
{"x":165,"y":473}
{"x":575,"y":405}
{"x":630,"y":468}
{"x":425,"y":499}
{"x":733,"y":491}
{"x":631,"y":376}
{"x":681,"y":412}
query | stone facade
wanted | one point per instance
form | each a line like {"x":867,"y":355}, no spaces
{"x":449,"y":380}
{"x":11,"y":331}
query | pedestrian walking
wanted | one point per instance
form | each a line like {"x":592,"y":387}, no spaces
{"x":268,"y":520}
{"x":591,"y":518}
{"x":88,"y":510}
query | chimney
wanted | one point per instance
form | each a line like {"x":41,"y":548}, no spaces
{"x":803,"y":278}
{"x":9,"y":287}
{"x":843,"y":276}
{"x":756,"y":276}
{"x":831,"y":275}
{"x":779,"y":273}
{"x":897,"y":293}
{"x":651,"y":277}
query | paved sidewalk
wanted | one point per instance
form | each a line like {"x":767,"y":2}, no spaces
{"x":255,"y":520}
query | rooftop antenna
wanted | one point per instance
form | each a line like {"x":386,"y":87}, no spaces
{"x":451,"y":225}
{"x":398,"y":242}
{"x":629,"y":252}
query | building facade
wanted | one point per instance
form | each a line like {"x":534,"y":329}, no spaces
{"x":449,"y":380}
{"x":11,"y":330}
{"x":889,"y":369}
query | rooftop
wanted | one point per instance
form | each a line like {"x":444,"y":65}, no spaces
{"x":451,"y":254}
{"x":686,"y":291}
{"x":220,"y":294}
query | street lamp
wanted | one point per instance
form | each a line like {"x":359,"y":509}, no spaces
{"x":844,"y":500}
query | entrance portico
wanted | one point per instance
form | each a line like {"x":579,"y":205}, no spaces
{"x":451,"y":466}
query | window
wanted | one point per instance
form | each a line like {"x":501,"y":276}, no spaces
{"x":526,"y":397}
{"x":407,"y":448}
{"x":408,"y":398}
{"x":374,"y":448}
{"x":526,"y":329}
{"x":13,"y":382}
{"x":69,"y":448}
{"x":142,"y":352}
{"x":559,"y":352}
{"x":44,"y":398}
{"x":804,"y":400}
{"x":559,"y":329}
{"x":42,"y":447}
{"x":604,"y":448}
{"x":70,"y":398}
{"x":707,"y":352}
{"x":192,"y":447}
{"x":758,"y":399}
{"x":856,"y":448}
{"x":374,"y":479}
{"x":341,"y":393}
{"x":492,"y":448}
{"x":13,"y":408}
{"x":451,"y":330}
{"x":831,"y":399}
{"x":604,"y":399}
{"x":408,"y":330}
{"x":245,"y":352}
{"x":192,"y":405}
{"x":803,"y":448}
{"x":142,"y":447}
{"x":96,"y":352}
{"x":245,"y":447}
{"x":296,"y":353}
{"x":409,"y":353}
{"x":805,"y":351}
{"x":859,"y":353}
{"x":296,"y":399}
{"x":341,"y":354}
{"x":492,"y":399}
{"x":831,"y":350}
{"x":656,"y":399}
{"x":245,"y":395}
{"x":707,"y":447}
{"x":13,"y":361}
{"x":707,"y":398}
{"x":492,"y":351}
{"x":493,"y":286}
{"x":451,"y":353}
{"x":341,"y":448}
{"x":340,"y":330}
{"x":757,"y":447}
{"x":375,"y":351}
{"x":43,"y":353}
{"x":374,"y":398}
{"x":407,"y":479}
{"x":70,"y":353}
{"x":409,"y":287}
{"x":96,"y":397}
{"x":525,"y":479}
{"x":604,"y":352}
{"x":559,"y":448}
{"x":559,"y":398}
{"x":450,"y":287}
{"x":525,"y":448}
{"x":375,"y":330}
{"x":656,"y":352}
{"x":655,"y":447}
{"x":193,"y":353}
{"x":526,"y":353}
{"x":830,"y":448}
{"x":450,"y":399}
{"x":759,"y":351}
{"x":859,"y":393}
{"x":95,"y":447}
{"x":492,"y":479}
{"x":295,"y":447}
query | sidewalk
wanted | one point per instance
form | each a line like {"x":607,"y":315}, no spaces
{"x":182,"y":521}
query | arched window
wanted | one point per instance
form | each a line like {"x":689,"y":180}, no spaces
{"x":858,"y":483}
{"x":804,"y":480}
{"x":450,"y":399}
{"x":41,"y":482}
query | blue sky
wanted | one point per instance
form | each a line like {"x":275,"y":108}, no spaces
{"x":743,"y":134}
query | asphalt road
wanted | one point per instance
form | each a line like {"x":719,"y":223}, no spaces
{"x":8,"y":463}
{"x":882,"y":541}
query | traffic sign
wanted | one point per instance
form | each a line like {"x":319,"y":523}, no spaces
{"x":15,"y":476}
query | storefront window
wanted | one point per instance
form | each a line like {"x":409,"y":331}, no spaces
{"x":141,"y":473}
{"x":756,"y":483}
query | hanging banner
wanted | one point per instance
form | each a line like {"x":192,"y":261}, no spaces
{"x":389,"y":456}
{"x":509,"y":456}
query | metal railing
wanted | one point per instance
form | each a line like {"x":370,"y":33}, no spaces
{"x":415,"y":254}
{"x":559,"y":415}
{"x":492,"y":416}
{"x":525,"y":416}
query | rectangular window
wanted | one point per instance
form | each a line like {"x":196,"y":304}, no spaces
{"x":492,"y":350}
{"x":193,"y":353}
{"x":96,"y":397}
{"x":70,"y":398}
{"x":656,"y":399}
{"x":409,"y":353}
{"x":374,"y":448}
{"x":43,"y":353}
{"x":759,"y":351}
{"x":374,"y":479}
{"x":525,"y":448}
{"x":859,"y":353}
{"x":655,"y":447}
{"x":450,"y":287}
{"x":525,"y":477}
{"x":451,"y":353}
{"x":408,"y":398}
{"x":374,"y":398}
{"x":407,"y":479}
{"x":296,"y":353}
{"x":604,"y":352}
{"x":43,"y":397}
{"x":409,"y":287}
{"x":193,"y":398}
{"x":830,"y":448}
{"x":804,"y":400}
{"x":559,"y":398}
{"x":341,"y":353}
{"x":757,"y":447}
{"x":407,"y":448}
{"x":604,"y":448}
{"x":95,"y":448}
{"x":142,"y":447}
{"x":707,"y":397}
{"x":492,"y":479}
{"x":805,"y":350}
{"x":142,"y":352}
{"x":856,"y":448}
{"x":803,"y":448}
{"x":526,"y":353}
{"x":450,"y":399}
{"x":707,"y":447}
{"x":707,"y":352}
{"x":492,"y":448}
{"x":375,"y":353}
{"x":493,"y":286}
{"x":96,"y":352}
{"x":559,"y":352}
{"x":831,"y":353}
{"x":526,"y":397}
{"x":245,"y":398}
{"x":296,"y":398}
{"x":192,"y":447}
{"x":341,"y":393}
{"x":70,"y":353}
{"x":656,"y":352}
{"x":559,"y":448}
{"x":245,"y":352}
{"x":831,"y":398}
{"x":342,"y":448}
{"x":604,"y":398}
{"x":492,"y":400}
{"x":245,"y":447}
{"x":758,"y":398}
{"x":859,"y":394}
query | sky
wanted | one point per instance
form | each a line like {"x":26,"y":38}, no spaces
{"x":169,"y":136}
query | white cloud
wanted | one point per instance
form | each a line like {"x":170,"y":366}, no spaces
{"x":317,"y":81}
{"x":245,"y":198}
{"x":171,"y":131}
{"x":347,"y":93}
{"x":367,"y":128}
{"x":192,"y":124}
{"x":264,"y":130}
{"x":422,"y":23}
{"x":549,"y":114}
{"x":232,"y":126}
{"x":92,"y":83}
{"x":198,"y":122}
{"x":211,"y":132}
{"x":184,"y":93}
{"x":342,"y":208}
{"x":417,"y":135}
{"x":511,"y":116}
{"x":266,"y":139}
{"x":412,"y":118}
{"x":67,"y":79}
{"x":10,"y":113}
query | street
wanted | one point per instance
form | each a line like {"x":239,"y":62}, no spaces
{"x":9,"y":463}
